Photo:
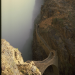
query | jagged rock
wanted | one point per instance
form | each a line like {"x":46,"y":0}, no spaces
{"x":14,"y":52}
{"x":12,"y":62}
{"x":8,"y":64}
{"x":28,"y":68}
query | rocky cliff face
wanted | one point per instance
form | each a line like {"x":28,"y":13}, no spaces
{"x":57,"y":28}
{"x":12,"y":62}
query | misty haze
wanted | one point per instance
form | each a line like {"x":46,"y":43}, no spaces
{"x":18,"y":23}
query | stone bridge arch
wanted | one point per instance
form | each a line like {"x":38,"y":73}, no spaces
{"x":52,"y":59}
{"x":52,"y":69}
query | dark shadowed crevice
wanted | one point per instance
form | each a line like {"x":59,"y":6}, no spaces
{"x":51,"y":70}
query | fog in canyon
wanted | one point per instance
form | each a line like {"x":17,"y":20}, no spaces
{"x":17,"y":23}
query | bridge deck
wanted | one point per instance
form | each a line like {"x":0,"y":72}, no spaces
{"x":52,"y":58}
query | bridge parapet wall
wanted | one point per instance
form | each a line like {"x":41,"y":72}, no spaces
{"x":52,"y":58}
{"x":42,"y":42}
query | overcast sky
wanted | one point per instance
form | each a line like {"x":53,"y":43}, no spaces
{"x":17,"y":23}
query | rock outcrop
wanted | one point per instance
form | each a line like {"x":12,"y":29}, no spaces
{"x":57,"y":28}
{"x":12,"y":62}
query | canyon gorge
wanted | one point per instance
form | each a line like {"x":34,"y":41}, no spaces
{"x":53,"y":30}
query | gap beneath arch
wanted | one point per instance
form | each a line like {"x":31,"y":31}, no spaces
{"x":51,"y":70}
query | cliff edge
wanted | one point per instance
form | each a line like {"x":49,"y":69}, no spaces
{"x":57,"y":27}
{"x":12,"y":62}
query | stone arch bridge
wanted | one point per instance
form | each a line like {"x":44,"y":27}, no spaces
{"x":52,"y":58}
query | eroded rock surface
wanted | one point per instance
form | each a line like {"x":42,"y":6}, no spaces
{"x":57,"y":28}
{"x":8,"y":59}
{"x":12,"y":62}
